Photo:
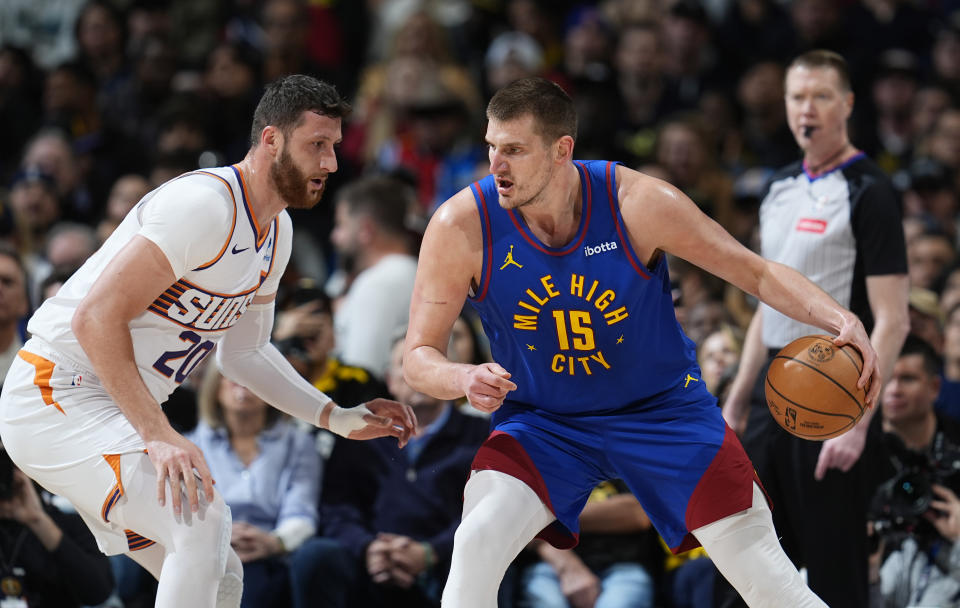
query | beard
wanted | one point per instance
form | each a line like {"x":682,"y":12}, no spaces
{"x":291,"y":183}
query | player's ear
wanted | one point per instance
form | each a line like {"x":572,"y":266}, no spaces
{"x":564,"y":148}
{"x":272,"y":138}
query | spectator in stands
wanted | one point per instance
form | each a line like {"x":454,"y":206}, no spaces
{"x":928,"y":104}
{"x":268,"y":472}
{"x":511,"y":56}
{"x":389,"y":514}
{"x":612,"y":566}
{"x":946,"y":55}
{"x":889,"y":135}
{"x":35,"y":208}
{"x":14,"y":306}
{"x":232,"y":85}
{"x":930,"y":194}
{"x":921,"y":554}
{"x":101,"y":42}
{"x":20,"y":83}
{"x":125,"y":193}
{"x":304,"y":334}
{"x":767,"y":141}
{"x":926,"y":319}
{"x":718,"y":356}
{"x":948,"y":401}
{"x":51,"y":151}
{"x":50,"y":558}
{"x":685,"y":152}
{"x":372,"y":240}
{"x":929,"y":255}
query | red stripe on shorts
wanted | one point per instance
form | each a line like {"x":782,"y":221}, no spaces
{"x":501,"y":452}
{"x":725,"y":488}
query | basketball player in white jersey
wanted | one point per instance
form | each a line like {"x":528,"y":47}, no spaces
{"x":195,"y":265}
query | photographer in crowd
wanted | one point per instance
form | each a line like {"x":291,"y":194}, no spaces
{"x":916,"y":512}
{"x":48,"y":558}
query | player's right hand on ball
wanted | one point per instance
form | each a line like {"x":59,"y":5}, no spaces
{"x":486,"y":386}
{"x":175,"y":458}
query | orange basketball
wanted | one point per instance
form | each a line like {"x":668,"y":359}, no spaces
{"x":812,"y":389}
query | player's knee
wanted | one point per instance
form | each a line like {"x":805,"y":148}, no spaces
{"x":203,"y":540}
{"x":476,"y":541}
{"x":783,"y":589}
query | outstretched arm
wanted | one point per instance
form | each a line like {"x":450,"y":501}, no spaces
{"x":450,"y":260}
{"x":661,"y":218}
{"x":246,"y":356}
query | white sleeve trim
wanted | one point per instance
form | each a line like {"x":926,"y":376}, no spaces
{"x":293,"y":531}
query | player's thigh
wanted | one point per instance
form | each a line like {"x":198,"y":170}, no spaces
{"x":208,"y":529}
{"x":681,"y":461}
{"x":554,"y":458}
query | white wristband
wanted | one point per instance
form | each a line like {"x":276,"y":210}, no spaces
{"x":345,"y":420}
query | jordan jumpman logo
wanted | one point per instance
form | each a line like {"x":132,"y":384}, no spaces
{"x":510,"y":260}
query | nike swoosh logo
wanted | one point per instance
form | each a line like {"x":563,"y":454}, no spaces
{"x":235,"y":250}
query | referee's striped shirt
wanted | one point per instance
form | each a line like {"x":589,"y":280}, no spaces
{"x":837,"y":229}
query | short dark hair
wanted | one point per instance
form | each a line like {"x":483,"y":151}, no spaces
{"x":552,"y":109}
{"x":913,"y":345}
{"x":286,"y":99}
{"x":822,"y":58}
{"x":384,"y":199}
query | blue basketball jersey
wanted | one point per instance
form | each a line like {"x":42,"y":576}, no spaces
{"x":585,"y":327}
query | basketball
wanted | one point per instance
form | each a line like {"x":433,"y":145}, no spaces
{"x":811,"y":388}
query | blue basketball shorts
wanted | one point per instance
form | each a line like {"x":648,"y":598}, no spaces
{"x":674,"y":451}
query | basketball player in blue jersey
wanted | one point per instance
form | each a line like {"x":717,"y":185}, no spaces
{"x":593,"y":377}
{"x":195,"y":265}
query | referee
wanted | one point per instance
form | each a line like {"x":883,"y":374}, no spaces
{"x":835,"y":217}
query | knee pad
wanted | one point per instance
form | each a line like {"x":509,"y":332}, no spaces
{"x":205,"y":535}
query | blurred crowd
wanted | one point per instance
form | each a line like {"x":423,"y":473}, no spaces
{"x":103,"y":100}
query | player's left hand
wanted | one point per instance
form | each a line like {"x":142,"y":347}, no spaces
{"x":852,"y":332}
{"x":841,"y":452}
{"x":376,"y":418}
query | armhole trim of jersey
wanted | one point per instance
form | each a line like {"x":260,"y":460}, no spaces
{"x":487,"y":241}
{"x":273,"y":249}
{"x":611,"y":178}
{"x":233,"y":224}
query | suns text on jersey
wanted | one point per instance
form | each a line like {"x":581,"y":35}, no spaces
{"x":197,"y":309}
{"x":577,"y":348}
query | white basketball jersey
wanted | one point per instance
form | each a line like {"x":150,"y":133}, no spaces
{"x":203,"y":223}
